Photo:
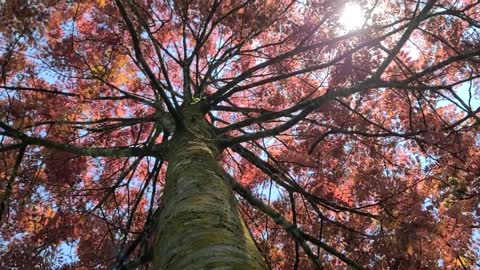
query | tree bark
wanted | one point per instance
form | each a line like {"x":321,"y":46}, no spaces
{"x":200,"y":226}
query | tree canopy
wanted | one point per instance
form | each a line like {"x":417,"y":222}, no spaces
{"x":347,"y":130}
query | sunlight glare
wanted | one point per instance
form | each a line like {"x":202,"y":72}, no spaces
{"x":352,"y":16}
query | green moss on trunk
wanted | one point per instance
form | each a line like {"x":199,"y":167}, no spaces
{"x":200,"y":226}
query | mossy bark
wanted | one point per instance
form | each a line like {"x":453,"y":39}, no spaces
{"x":200,"y":226}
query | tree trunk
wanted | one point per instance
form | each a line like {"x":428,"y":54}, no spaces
{"x":200,"y":226}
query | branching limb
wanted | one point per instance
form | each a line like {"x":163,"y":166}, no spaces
{"x":139,"y":55}
{"x":156,"y":150}
{"x":8,"y":189}
{"x":290,"y":184}
{"x":299,"y":236}
{"x":406,"y":35}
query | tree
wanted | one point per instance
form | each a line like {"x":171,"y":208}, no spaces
{"x":246,"y":134}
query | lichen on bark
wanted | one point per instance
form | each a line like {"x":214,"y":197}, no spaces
{"x":200,"y":226}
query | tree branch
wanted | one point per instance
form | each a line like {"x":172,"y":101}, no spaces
{"x":156,"y":150}
{"x":4,"y":198}
{"x":299,"y":236}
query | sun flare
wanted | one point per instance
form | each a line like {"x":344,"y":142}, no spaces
{"x":352,"y":16}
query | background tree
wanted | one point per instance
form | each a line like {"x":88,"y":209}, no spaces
{"x":241,"y":134}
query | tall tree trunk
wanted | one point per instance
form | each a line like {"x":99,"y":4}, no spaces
{"x":200,"y":226}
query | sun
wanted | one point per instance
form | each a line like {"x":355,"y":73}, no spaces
{"x":352,"y":16}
